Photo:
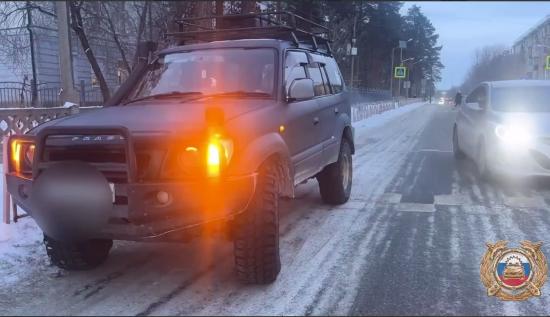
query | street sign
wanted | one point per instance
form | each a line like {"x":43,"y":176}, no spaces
{"x":400,"y":72}
{"x":354,"y":51}
{"x":407,"y":84}
{"x":402,"y":44}
{"x":548,"y":62}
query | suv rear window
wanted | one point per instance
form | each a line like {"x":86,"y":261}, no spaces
{"x":317,"y":77}
{"x":334,"y":75}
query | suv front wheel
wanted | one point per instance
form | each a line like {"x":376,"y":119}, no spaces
{"x":335,"y":179}
{"x":256,"y":232}
{"x":82,"y":256}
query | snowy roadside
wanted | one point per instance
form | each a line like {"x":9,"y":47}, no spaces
{"x":377,"y":120}
{"x":21,"y":249}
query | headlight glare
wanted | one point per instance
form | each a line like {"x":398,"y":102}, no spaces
{"x":514,"y":135}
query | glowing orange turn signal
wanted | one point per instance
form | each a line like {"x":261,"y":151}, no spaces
{"x":213,"y":160}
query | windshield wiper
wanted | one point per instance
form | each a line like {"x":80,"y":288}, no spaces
{"x":170,"y":94}
{"x":240,"y":93}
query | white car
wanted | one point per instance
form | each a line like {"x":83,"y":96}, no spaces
{"x":505,"y":127}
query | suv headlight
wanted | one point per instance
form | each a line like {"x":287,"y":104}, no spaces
{"x":21,"y":156}
{"x":210,"y":158}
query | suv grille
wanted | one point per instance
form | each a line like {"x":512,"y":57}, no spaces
{"x":106,"y":153}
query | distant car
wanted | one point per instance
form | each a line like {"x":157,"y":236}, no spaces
{"x":505,"y":127}
{"x":441,"y":101}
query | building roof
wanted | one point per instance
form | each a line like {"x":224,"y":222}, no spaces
{"x":532,"y":29}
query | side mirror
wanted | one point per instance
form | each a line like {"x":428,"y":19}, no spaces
{"x":301,"y":89}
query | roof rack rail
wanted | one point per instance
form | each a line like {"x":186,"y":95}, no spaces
{"x":273,"y":25}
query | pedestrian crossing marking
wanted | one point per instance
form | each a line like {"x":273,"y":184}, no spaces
{"x":415,"y":207}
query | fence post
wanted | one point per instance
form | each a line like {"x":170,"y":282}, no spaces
{"x":82,"y":93}
{"x":5,"y":195}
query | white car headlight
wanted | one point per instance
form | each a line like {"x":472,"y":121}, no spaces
{"x":514,"y":135}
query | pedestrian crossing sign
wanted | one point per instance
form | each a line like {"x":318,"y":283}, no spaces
{"x":548,"y":62}
{"x":400,"y":72}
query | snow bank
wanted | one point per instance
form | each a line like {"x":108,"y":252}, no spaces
{"x":21,"y":250}
{"x":377,"y":120}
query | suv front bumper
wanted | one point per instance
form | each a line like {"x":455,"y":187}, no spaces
{"x":139,"y":214}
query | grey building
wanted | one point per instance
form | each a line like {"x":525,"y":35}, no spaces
{"x":46,"y":60}
{"x":534,"y":47}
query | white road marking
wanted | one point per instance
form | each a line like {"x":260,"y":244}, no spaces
{"x":415,"y":207}
{"x":452,"y":200}
{"x":391,"y":198}
{"x":525,"y":202}
{"x":433,"y":150}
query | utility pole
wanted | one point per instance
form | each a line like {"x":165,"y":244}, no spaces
{"x":391,"y":71}
{"x":352,"y":50}
{"x":34,"y":91}
{"x":400,"y":64}
{"x":67,"y":92}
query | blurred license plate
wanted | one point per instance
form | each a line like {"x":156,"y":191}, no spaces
{"x":112,"y":186}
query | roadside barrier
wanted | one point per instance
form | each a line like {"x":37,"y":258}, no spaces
{"x":362,"y":111}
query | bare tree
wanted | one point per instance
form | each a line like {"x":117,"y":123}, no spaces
{"x":78,"y":27}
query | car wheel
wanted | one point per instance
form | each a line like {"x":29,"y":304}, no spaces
{"x":483,"y":168}
{"x":256,"y":232}
{"x":335,"y":180}
{"x":457,"y":152}
{"x":82,"y":256}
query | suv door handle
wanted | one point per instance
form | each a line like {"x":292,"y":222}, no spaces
{"x":315,"y":120}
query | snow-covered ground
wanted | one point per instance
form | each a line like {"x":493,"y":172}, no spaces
{"x":324,"y":250}
{"x":21,"y":249}
{"x":384,"y":117}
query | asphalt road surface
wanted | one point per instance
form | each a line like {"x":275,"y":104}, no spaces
{"x":409,"y":241}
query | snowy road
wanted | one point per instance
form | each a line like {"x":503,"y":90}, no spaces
{"x":409,"y":242}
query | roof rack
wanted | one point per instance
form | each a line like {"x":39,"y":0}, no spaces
{"x":273,"y":25}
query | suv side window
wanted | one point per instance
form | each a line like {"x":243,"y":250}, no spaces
{"x":294,"y":68}
{"x":472,"y":97}
{"x":317,"y":77}
{"x":334,"y":75}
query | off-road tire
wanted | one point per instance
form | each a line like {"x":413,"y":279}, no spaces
{"x":256,"y":232}
{"x":457,"y":152}
{"x":335,"y":188}
{"x":77,"y":257}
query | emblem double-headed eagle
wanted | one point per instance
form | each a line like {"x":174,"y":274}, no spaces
{"x":514,"y":269}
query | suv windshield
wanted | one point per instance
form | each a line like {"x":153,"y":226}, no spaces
{"x":522,"y":99}
{"x":242,"y":72}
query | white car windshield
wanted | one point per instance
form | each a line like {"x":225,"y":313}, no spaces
{"x":521,"y":99}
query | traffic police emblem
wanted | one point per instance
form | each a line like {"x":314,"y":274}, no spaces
{"x":514,"y":273}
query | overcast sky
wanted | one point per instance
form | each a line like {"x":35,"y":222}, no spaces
{"x":465,"y":26}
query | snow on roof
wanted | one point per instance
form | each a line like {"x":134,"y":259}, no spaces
{"x":532,"y":29}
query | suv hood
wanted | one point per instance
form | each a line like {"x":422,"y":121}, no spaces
{"x":159,"y":115}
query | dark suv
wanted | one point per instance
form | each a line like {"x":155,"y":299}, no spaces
{"x":203,"y":137}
